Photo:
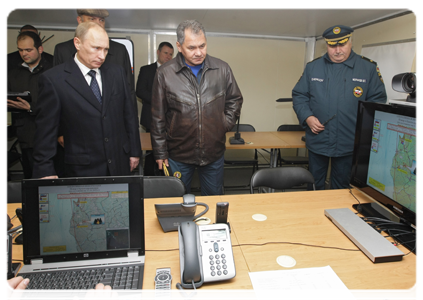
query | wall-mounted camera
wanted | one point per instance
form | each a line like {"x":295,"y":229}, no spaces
{"x":405,"y":83}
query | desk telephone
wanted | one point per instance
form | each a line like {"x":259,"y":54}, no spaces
{"x":205,"y":254}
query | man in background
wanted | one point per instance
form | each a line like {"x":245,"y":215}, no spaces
{"x":14,"y":59}
{"x":91,"y":101}
{"x":195,"y":101}
{"x":144,"y":90}
{"x":326,"y":102}
{"x":24,"y":78}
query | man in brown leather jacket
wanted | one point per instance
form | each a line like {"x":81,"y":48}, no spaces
{"x":195,"y":101}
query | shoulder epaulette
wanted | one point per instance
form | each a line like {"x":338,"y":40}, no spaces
{"x":314,"y":59}
{"x":377,"y":68}
{"x":368,"y":59}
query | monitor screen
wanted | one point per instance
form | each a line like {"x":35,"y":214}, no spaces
{"x":66,"y":218}
{"x":384,"y":160}
{"x":83,"y":218}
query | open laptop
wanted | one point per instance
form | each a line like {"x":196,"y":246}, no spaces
{"x":91,"y":227}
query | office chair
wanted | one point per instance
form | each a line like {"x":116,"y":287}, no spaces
{"x":238,"y":162}
{"x":163,"y":187}
{"x":291,"y":160}
{"x":14,"y":191}
{"x":281,"y":178}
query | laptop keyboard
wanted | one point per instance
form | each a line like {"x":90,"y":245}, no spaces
{"x":122,"y":277}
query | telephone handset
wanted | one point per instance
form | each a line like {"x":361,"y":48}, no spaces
{"x":205,"y":254}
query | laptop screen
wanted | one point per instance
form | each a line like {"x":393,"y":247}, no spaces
{"x":83,"y":218}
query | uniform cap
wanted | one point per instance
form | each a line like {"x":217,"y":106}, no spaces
{"x":338,"y":34}
{"x":100,"y":13}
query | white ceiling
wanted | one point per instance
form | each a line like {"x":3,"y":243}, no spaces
{"x":290,"y":23}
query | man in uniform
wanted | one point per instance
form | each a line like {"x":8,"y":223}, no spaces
{"x":195,"y":101}
{"x":326,"y":101}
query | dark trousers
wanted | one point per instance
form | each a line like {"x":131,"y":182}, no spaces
{"x":27,"y":162}
{"x":149,"y":161}
{"x":340,"y":171}
{"x":211,"y":176}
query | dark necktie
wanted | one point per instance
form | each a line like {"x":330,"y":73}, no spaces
{"x":94,"y":86}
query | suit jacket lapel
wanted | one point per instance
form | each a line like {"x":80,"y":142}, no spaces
{"x":77,"y":81}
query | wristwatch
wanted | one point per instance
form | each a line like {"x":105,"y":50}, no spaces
{"x":163,"y":279}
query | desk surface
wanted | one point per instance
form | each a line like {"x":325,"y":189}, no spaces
{"x":295,"y":226}
{"x":253,"y":140}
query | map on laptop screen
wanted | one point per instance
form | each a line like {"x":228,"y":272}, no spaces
{"x":93,"y":217}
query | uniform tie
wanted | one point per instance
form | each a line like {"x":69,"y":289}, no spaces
{"x":94,"y":86}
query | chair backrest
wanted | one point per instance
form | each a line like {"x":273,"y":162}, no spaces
{"x":14,"y":192}
{"x":163,"y":187}
{"x":290,"y":127}
{"x":280,"y":178}
{"x":244,"y":128}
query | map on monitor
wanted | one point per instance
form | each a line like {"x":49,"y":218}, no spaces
{"x":392,"y":163}
{"x":83,"y":218}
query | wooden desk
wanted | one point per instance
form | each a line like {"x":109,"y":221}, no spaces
{"x":291,"y":138}
{"x":296,"y":226}
{"x":253,"y":140}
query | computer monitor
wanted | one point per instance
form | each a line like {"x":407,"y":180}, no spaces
{"x":384,"y":159}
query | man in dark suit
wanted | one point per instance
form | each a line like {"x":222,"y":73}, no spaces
{"x":144,"y":89}
{"x":14,"y":59}
{"x":91,"y":102}
{"x":117,"y":53}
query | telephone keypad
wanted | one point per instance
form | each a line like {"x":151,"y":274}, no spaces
{"x":220,"y":264}
{"x":219,"y":260}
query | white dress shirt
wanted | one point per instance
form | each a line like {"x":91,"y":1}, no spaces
{"x":84,"y":69}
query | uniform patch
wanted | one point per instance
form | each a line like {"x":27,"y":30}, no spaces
{"x":336,"y":30}
{"x":358,"y":91}
{"x":177,"y":174}
{"x":378,"y":73}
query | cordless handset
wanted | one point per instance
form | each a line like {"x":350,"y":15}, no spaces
{"x":163,"y":281}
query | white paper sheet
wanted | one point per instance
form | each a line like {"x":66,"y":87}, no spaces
{"x":311,"y":283}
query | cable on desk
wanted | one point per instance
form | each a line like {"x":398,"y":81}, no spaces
{"x":411,"y":249}
{"x":359,"y":203}
{"x":301,"y":244}
{"x":160,"y":250}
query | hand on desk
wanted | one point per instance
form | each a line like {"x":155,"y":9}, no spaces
{"x":50,"y":177}
{"x":101,"y":292}
{"x":14,"y":288}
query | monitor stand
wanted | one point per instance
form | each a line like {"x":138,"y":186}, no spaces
{"x":405,"y":234}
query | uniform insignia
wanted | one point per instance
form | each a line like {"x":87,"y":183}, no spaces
{"x":358,"y":91}
{"x":336,"y":30}
{"x":177,"y":174}
{"x":378,"y":73}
